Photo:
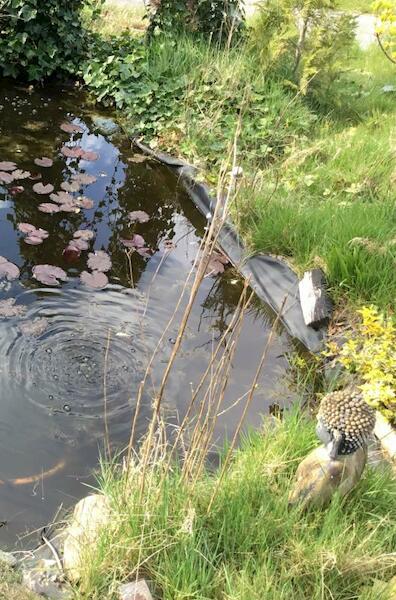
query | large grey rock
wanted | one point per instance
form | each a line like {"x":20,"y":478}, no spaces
{"x":7,"y":559}
{"x":90,"y":516}
{"x":136,"y":590}
{"x":45,"y":580}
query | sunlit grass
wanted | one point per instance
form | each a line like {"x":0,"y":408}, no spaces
{"x":118,"y":18}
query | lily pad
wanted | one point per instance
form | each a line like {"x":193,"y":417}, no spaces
{"x":39,"y":188}
{"x":33,"y":240}
{"x":62,"y":198}
{"x":48,"y":207}
{"x":35,"y":327}
{"x":138,"y":216}
{"x":20,"y":174}
{"x":6,"y":177}
{"x":99,"y":261}
{"x":43,"y":162}
{"x":8,"y":270}
{"x":8,"y":308}
{"x":71,"y":253}
{"x":74,"y":186}
{"x":84,"y":234}
{"x":136,"y":242}
{"x":6,"y":165}
{"x":89,"y":155}
{"x":80,"y":244}
{"x":26,"y":227}
{"x":71,"y":128}
{"x":84,"y":178}
{"x":96,"y":279}
{"x":48,"y":274}
{"x":85,"y":202}
{"x":69,"y":207}
{"x":217,"y":264}
{"x":72,"y":151}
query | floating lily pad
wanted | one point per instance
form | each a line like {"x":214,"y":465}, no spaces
{"x":84,"y":178}
{"x":8,"y":308}
{"x":35,"y":327}
{"x":48,"y":274}
{"x":62,"y":198}
{"x":16,"y":189}
{"x":217,"y":264}
{"x":8,"y":270}
{"x":20,"y":174}
{"x":85,"y":202}
{"x":39,"y":188}
{"x":26,"y":227}
{"x":89,"y":155}
{"x":72,"y":151}
{"x":96,"y":279}
{"x":138,"y":216}
{"x":71,"y":128}
{"x":6,"y":165}
{"x":33,"y":240}
{"x":99,"y":261}
{"x":69,"y":208}
{"x":80,"y":244}
{"x":48,"y":207}
{"x":74,"y":186}
{"x":6,"y":177}
{"x":84,"y":234}
{"x":136,"y":242}
{"x":145,"y":252}
{"x":43,"y":162}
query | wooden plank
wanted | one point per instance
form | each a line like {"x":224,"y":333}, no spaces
{"x":314,"y":299}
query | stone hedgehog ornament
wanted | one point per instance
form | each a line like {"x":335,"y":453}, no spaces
{"x":345,"y":423}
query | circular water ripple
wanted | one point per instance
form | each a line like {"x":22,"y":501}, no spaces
{"x":92,"y":344}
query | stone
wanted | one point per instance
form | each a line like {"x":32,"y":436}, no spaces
{"x":6,"y":558}
{"x":48,"y":583}
{"x":136,"y":590}
{"x":90,"y":516}
{"x":105,"y":126}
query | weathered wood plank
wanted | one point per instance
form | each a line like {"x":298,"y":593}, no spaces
{"x":315,"y":302}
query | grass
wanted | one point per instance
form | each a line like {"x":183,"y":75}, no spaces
{"x":249,"y":546}
{"x":362,"y":6}
{"x":10,"y":587}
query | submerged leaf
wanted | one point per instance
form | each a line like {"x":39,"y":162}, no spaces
{"x":48,"y":274}
{"x":43,"y":162}
{"x":138,"y":216}
{"x":35,"y":327}
{"x":39,"y":188}
{"x":8,"y":308}
{"x":6,"y":165}
{"x":96,"y":279}
{"x":83,"y":178}
{"x":8,"y":270}
{"x":71,"y":128}
{"x":99,"y":261}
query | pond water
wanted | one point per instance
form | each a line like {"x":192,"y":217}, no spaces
{"x":58,"y":341}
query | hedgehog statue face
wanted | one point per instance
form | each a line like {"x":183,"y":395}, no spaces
{"x":345,"y":422}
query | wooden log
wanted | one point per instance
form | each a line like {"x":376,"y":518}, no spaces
{"x":314,"y":299}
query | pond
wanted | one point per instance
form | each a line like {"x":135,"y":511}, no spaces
{"x":65,"y":344}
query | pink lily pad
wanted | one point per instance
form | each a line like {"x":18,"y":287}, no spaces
{"x":89,"y":155}
{"x":39,"y":188}
{"x":8,"y":308}
{"x":84,"y":234}
{"x":48,"y":274}
{"x":84,"y":178}
{"x":217,"y":264}
{"x":137,"y":241}
{"x":145,"y":252}
{"x":20,"y":174}
{"x":85,"y":202}
{"x":26,"y":227}
{"x":99,"y":261}
{"x":71,"y":128}
{"x":33,"y":240}
{"x":48,"y":207}
{"x":69,"y":208}
{"x":72,"y":151}
{"x":43,"y":162}
{"x":80,"y":244}
{"x":138,"y":216}
{"x":35,"y":327}
{"x":96,"y":279}
{"x":16,"y":189}
{"x":62,"y":198}
{"x":6,"y":165}
{"x":6,"y":177}
{"x":74,"y":186}
{"x":8,"y":270}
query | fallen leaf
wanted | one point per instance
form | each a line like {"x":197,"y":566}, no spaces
{"x":138,"y":216}
{"x":6,"y":165}
{"x":48,"y":274}
{"x":96,"y":279}
{"x":71,"y":128}
{"x":99,"y":261}
{"x":48,"y":207}
{"x":43,"y":162}
{"x":39,"y":188}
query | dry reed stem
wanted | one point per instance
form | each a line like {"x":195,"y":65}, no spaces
{"x":106,"y":426}
{"x":247,"y":404}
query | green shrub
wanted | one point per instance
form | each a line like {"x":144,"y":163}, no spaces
{"x":40,"y":38}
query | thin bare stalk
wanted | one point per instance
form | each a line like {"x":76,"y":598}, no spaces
{"x":106,"y":427}
{"x":248,"y":402}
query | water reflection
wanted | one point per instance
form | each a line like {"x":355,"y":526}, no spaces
{"x":52,"y":385}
